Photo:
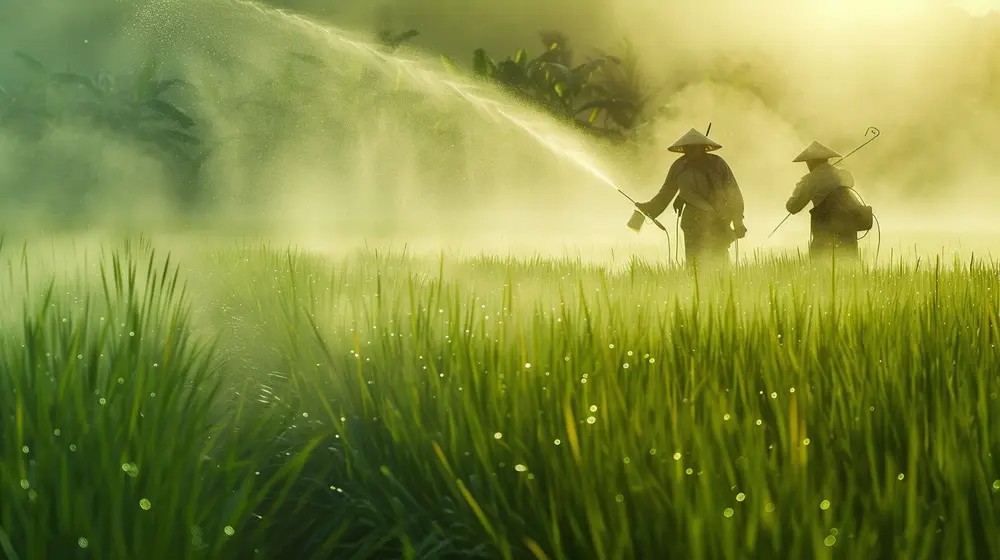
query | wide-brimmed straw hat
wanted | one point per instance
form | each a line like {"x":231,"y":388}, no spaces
{"x":816,"y":152}
{"x":694,"y":138}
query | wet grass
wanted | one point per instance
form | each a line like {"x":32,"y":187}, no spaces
{"x":386,"y":406}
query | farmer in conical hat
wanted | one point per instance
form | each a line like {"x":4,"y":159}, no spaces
{"x":708,"y":200}
{"x":837,"y":214}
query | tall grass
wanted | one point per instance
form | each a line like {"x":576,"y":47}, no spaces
{"x":496,"y":408}
{"x":115,"y":442}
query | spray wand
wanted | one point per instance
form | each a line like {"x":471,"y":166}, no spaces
{"x":871,"y":130}
{"x":635,"y":223}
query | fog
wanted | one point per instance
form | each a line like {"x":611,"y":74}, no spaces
{"x":336,"y":149}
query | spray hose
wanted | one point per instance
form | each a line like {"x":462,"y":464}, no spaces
{"x":878,"y":227}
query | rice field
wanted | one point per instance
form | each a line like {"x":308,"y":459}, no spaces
{"x":254,"y":402}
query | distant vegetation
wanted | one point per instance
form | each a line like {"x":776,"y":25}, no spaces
{"x":140,"y":107}
{"x":602,"y":95}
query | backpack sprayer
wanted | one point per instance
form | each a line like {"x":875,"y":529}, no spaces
{"x":871,"y":130}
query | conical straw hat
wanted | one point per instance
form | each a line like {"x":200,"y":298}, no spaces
{"x":694,"y":138}
{"x":816,"y":151}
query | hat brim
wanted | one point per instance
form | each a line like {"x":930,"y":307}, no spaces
{"x":682,"y":149}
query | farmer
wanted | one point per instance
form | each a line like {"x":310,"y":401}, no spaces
{"x":709,"y":201}
{"x":837,"y":214}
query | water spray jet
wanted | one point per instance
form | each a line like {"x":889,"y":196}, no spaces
{"x":557,"y":144}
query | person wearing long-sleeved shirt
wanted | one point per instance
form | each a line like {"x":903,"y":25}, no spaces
{"x":834,"y":215}
{"x":707,"y":198}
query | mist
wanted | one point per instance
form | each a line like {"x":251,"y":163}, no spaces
{"x":315,"y":144}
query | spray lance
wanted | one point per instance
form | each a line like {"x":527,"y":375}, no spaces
{"x":871,"y":130}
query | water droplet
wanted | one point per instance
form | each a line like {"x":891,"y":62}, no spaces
{"x":619,"y":498}
{"x":677,"y":456}
{"x":627,"y":460}
{"x":830,"y":540}
{"x":774,"y":395}
{"x":593,"y":408}
{"x":497,"y":435}
{"x":729,"y":512}
{"x":103,"y":401}
{"x":82,"y":542}
{"x":144,"y":504}
{"x":558,"y":442}
{"x":625,"y":366}
{"x":901,"y":476}
{"x":25,"y":450}
{"x":229,"y":531}
{"x":740,"y":497}
{"x":726,"y":417}
{"x":591,"y":419}
{"x":824,"y":505}
{"x":612,"y":346}
{"x":769,"y":508}
{"x":689,"y":471}
{"x":72,"y":447}
{"x":520,"y":468}
{"x":996,"y":485}
{"x":56,"y":432}
{"x":759,"y":422}
{"x":806,"y":441}
{"x":24,"y":484}
{"x":527,"y":365}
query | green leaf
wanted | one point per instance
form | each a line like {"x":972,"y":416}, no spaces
{"x":182,"y":137}
{"x":143,"y":87}
{"x":594,"y":64}
{"x":32,"y":62}
{"x":482,"y":64}
{"x":161,"y":86}
{"x":450,"y":65}
{"x":170,"y":112}
{"x":71,"y":78}
{"x":403,"y":37}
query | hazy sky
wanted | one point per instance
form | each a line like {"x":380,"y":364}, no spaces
{"x":771,"y":75}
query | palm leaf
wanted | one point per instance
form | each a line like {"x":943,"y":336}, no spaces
{"x":482,"y":64}
{"x":450,"y":65}
{"x":403,"y":37}
{"x":521,"y":57}
{"x":594,"y":64}
{"x":143,"y":87}
{"x":170,"y":112}
{"x":72,"y":78}
{"x":161,"y":86}
{"x":32,"y":62}
{"x":182,"y":137}
{"x":606,"y":104}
